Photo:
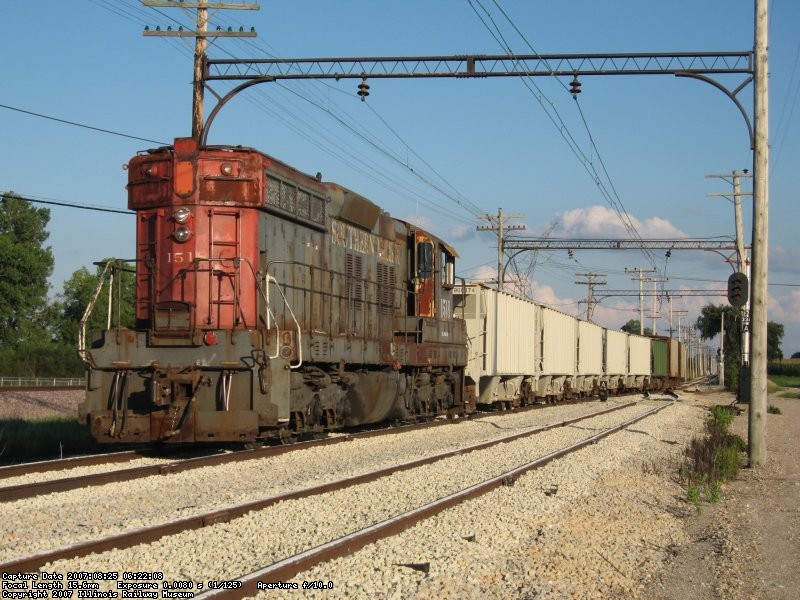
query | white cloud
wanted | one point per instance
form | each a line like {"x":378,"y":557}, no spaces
{"x":602,"y":222}
{"x":459,"y":233}
{"x":484,"y":273}
{"x":784,"y":307}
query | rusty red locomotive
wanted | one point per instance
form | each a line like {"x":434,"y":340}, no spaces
{"x":270,"y":304}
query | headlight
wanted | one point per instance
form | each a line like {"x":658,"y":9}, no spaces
{"x":182,"y":234}
{"x":226,"y":169}
{"x":182,"y":215}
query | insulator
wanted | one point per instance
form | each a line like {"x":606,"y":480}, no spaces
{"x":363,"y":89}
{"x":575,"y":86}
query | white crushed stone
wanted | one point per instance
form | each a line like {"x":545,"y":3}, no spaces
{"x":599,"y":533}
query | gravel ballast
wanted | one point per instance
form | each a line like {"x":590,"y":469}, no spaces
{"x":590,"y":524}
{"x":65,"y":518}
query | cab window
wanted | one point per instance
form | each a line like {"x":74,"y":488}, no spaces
{"x":448,"y":270}
{"x":425,"y":260}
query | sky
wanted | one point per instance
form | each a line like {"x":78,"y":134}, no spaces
{"x":439,"y":152}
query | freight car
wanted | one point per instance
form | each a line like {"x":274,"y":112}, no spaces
{"x":668,"y":362}
{"x":521,"y":352}
{"x":269,"y":304}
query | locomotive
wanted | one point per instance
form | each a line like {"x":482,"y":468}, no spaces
{"x":269,"y":304}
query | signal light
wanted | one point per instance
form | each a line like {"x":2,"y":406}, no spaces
{"x":738,"y":289}
{"x":575,"y":87}
{"x":363,"y":89}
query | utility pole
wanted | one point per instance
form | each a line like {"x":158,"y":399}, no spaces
{"x":758,"y":298}
{"x":200,"y":44}
{"x":590,"y":301}
{"x":655,"y":297}
{"x":500,"y":229}
{"x":641,"y":272}
{"x":722,"y":351}
{"x":679,"y":314}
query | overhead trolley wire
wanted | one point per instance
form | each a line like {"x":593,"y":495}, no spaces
{"x":611,"y":196}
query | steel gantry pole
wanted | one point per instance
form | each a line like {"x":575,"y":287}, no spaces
{"x":697,"y":65}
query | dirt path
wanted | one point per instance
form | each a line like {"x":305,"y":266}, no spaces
{"x":748,"y":545}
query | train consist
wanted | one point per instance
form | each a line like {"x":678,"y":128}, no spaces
{"x":271,"y":305}
{"x":521,"y":352}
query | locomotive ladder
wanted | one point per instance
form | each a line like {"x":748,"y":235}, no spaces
{"x":217,"y":253}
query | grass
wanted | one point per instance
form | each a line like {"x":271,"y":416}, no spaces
{"x":712,"y":459}
{"x":42,"y":439}
{"x":773,"y":410}
{"x":783,"y":381}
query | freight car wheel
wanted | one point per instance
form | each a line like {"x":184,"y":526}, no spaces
{"x":287,"y":437}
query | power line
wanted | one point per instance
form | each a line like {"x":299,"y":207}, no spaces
{"x":611,"y":196}
{"x":351,"y":126}
{"x":83,"y":125}
{"x":36,"y":200}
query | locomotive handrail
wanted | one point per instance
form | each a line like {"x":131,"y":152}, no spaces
{"x":90,"y":309}
{"x":269,"y":278}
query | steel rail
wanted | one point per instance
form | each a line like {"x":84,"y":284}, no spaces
{"x":45,"y":466}
{"x":65,"y":484}
{"x":152,"y":533}
{"x":285,"y":569}
{"x":30,"y":490}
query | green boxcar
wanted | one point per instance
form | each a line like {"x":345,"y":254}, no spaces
{"x":659,"y":352}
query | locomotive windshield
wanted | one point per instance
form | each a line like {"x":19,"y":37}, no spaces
{"x":425,"y":260}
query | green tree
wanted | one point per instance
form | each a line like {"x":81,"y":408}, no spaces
{"x":634,"y":326}
{"x":774,"y":339}
{"x":25,"y":265}
{"x":79,"y":289}
{"x":708,"y":324}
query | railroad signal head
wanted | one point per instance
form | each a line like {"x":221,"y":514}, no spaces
{"x":363,"y":89}
{"x":738,"y":290}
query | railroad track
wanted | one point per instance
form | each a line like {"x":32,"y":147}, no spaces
{"x":202,"y":520}
{"x":289,"y":567}
{"x":65,"y":483}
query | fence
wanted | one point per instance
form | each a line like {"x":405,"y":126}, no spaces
{"x":43,"y":382}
